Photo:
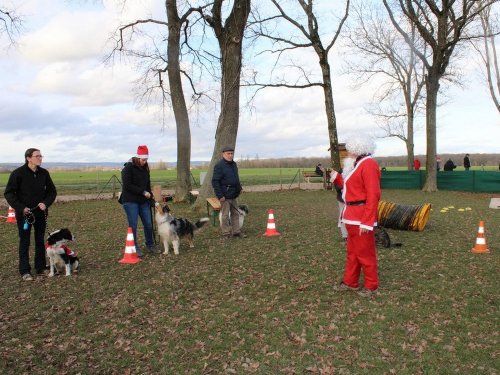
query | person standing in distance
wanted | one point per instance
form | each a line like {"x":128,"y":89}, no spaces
{"x":30,"y":191}
{"x":227,"y":188}
{"x":466,"y":162}
{"x":361,"y":194}
{"x":136,"y":195}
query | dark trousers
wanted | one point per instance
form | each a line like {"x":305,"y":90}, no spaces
{"x":39,"y":227}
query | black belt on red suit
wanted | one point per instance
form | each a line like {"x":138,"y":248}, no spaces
{"x":356,"y":203}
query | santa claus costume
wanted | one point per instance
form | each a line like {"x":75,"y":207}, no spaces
{"x":361,"y":194}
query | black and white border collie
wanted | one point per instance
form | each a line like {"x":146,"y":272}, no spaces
{"x":172,"y":229}
{"x":243,"y":209}
{"x":60,"y":256}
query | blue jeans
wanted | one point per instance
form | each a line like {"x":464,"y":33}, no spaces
{"x":133,"y":211}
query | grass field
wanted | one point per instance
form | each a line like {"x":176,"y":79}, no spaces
{"x":259,"y":305}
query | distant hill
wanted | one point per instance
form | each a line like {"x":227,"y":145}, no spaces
{"x":7,"y":167}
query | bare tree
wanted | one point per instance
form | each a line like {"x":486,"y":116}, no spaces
{"x":308,"y":36}
{"x":156,"y":64}
{"x":10,"y":24}
{"x":488,"y":53}
{"x":229,"y":33}
{"x":379,"y":52}
{"x":442,"y":25}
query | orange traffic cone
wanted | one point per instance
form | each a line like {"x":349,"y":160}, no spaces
{"x":480,"y":246}
{"x":130,"y":256}
{"x":11,"y":216}
{"x":271,"y":226}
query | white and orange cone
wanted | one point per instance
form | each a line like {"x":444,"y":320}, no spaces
{"x":271,"y":225}
{"x":11,"y":216}
{"x":480,"y":246}
{"x":130,"y":255}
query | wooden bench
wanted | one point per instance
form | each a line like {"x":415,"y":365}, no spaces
{"x":325,"y":179}
{"x":213,"y":208}
{"x":309,"y":174}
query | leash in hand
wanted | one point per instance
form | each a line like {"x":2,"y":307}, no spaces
{"x":29,"y":219}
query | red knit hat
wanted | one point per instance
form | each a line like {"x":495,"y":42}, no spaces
{"x":142,"y":152}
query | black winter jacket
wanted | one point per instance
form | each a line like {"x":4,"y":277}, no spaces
{"x":225,"y":180}
{"x":136,"y":181}
{"x":26,"y":188}
{"x":449,"y":166}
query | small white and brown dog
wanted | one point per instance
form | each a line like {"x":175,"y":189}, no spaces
{"x":243,"y":210}
{"x":60,"y":256}
{"x":172,"y":229}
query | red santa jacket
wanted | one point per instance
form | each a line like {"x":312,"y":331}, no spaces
{"x":361,"y":193}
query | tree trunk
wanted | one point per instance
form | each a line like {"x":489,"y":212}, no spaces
{"x":410,"y":146}
{"x":330,"y":115}
{"x":432,"y":87}
{"x":183,"y":184}
{"x":230,"y":40}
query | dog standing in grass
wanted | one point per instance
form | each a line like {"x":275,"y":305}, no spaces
{"x":172,"y":229}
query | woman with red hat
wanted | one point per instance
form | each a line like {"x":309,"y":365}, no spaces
{"x":136,"y":196}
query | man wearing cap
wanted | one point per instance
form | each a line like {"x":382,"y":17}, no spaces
{"x":227,"y":188}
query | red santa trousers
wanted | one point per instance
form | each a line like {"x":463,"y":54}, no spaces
{"x":361,"y":254}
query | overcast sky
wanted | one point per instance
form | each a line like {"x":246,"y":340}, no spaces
{"x":59,"y":96}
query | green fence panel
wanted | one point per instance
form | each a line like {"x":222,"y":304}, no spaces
{"x":475,"y":181}
{"x":457,"y":181}
{"x":478,"y":181}
{"x":402,"y":179}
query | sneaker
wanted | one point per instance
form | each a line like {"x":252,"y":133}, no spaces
{"x":139,"y":252}
{"x":343,"y":287}
{"x":367,"y":292}
{"x":240,"y":235}
{"x":27,"y":277}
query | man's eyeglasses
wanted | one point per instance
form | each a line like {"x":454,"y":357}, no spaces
{"x":37,"y":156}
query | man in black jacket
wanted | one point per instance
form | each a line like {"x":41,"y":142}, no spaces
{"x":466,"y":162}
{"x":227,"y":188}
{"x":30,"y":191}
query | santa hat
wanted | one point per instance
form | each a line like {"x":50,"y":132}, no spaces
{"x":360,"y":144}
{"x":142,"y":152}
